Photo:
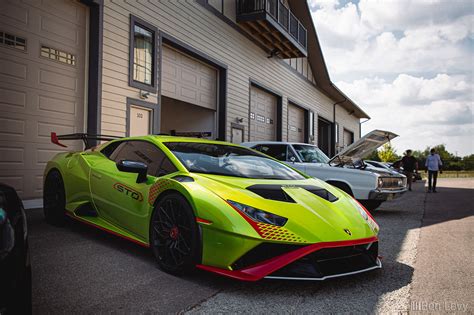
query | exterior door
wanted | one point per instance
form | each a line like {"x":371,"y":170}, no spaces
{"x":263,"y":115}
{"x":42,"y":78}
{"x":296,"y":124}
{"x":117,"y":195}
{"x":324,"y":136}
{"x":140,"y":121}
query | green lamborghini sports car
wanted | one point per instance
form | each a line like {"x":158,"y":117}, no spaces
{"x":212,"y":205}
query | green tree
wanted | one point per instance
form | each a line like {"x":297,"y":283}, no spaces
{"x":374,"y":156}
{"x":388,"y":153}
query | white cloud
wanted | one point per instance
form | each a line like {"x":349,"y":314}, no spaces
{"x":409,"y":64}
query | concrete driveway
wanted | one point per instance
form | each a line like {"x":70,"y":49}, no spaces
{"x":425,"y":240}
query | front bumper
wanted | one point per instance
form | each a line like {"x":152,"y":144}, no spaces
{"x":318,"y":261}
{"x":386,"y":194}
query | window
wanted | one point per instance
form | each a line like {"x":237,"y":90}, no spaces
{"x":142,"y":55}
{"x":310,"y":154}
{"x":145,"y":152}
{"x":226,"y":160}
{"x":58,"y":55}
{"x":12,"y":41}
{"x":280,"y":152}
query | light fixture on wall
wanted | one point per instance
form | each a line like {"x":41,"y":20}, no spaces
{"x":144,"y":94}
{"x":239,"y":120}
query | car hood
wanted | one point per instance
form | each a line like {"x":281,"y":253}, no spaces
{"x":313,"y":215}
{"x":363,"y":147}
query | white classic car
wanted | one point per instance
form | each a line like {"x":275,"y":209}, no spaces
{"x":347,"y":171}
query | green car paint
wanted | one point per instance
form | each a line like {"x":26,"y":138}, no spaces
{"x":125,"y":207}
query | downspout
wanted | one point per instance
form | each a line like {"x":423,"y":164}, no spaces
{"x":334,"y":125}
{"x":360,"y":127}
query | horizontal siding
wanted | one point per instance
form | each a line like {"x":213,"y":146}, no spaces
{"x":347,"y":121}
{"x":194,"y":25}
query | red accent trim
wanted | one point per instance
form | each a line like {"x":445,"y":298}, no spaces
{"x":264,"y":268}
{"x":107,"y":230}
{"x":201,"y":220}
{"x":250,"y":221}
{"x":55,"y":140}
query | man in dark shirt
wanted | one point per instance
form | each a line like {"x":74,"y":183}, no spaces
{"x":410,"y":164}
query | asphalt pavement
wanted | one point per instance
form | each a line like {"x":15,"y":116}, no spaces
{"x":425,"y":240}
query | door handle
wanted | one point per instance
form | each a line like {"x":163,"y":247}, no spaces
{"x":98,"y":176}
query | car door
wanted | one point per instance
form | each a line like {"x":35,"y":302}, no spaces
{"x":117,"y":196}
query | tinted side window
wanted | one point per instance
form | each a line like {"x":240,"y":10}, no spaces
{"x":110,"y":148}
{"x":277,"y":151}
{"x":148,"y":153}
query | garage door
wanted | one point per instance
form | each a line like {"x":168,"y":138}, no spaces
{"x":42,"y":64}
{"x":296,"y":123}
{"x":187,"y":79}
{"x":263,"y":109}
{"x":347,"y":138}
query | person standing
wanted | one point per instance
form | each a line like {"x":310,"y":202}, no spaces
{"x":410,"y":164}
{"x":433,"y":165}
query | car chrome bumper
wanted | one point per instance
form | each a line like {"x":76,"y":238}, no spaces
{"x":386,"y":194}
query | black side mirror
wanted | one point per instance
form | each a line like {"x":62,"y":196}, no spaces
{"x":134,"y":167}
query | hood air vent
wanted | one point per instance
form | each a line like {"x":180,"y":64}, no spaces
{"x":272,"y":192}
{"x":275,"y":192}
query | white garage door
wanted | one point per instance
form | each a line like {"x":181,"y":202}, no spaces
{"x":42,"y":62}
{"x":296,"y":124}
{"x":263,"y":109}
{"x":187,"y":79}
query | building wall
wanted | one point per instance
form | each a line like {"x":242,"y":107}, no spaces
{"x":345,"y":120}
{"x":199,"y":28}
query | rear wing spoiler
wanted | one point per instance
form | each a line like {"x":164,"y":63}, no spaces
{"x":85,"y":137}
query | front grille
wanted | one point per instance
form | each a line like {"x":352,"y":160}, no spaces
{"x":263,"y":252}
{"x":332,"y":261}
{"x":392,"y":182}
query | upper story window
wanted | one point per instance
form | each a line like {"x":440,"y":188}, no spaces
{"x":142,"y":55}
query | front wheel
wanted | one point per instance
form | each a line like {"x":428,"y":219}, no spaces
{"x":54,"y":199}
{"x":371,"y":205}
{"x":174,"y":235}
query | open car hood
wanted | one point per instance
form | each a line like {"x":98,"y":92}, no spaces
{"x":363,"y":147}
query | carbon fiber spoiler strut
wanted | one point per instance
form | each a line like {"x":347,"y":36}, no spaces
{"x":85,"y":137}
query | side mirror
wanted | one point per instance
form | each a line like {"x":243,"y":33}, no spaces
{"x":134,"y":167}
{"x":292,"y":159}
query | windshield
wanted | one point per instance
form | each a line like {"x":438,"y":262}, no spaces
{"x":219,"y":159}
{"x":310,"y":154}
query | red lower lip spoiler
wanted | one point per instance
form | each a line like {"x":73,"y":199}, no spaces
{"x":267,"y":267}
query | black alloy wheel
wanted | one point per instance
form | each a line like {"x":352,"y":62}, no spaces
{"x":54,"y":199}
{"x":174,"y":235}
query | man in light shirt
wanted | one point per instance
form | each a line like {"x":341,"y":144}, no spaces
{"x":433,"y":165}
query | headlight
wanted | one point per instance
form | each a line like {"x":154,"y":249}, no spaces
{"x":258,"y":215}
{"x":366,"y":215}
{"x":380,"y":182}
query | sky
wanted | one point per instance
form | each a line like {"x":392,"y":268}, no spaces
{"x":408,"y":64}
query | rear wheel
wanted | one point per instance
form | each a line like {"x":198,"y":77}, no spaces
{"x":174,"y":235}
{"x":54,"y":199}
{"x":371,"y":205}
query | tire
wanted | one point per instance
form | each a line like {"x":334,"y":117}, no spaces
{"x":342,"y":186}
{"x":371,"y":205}
{"x":54,"y":199}
{"x":174,"y":235}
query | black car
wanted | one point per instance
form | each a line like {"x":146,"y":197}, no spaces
{"x":15,"y":268}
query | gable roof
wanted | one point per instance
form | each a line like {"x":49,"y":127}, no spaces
{"x":318,"y":65}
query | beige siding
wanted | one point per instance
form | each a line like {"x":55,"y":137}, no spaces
{"x":193,"y":24}
{"x":348,"y":122}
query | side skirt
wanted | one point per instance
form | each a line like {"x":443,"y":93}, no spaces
{"x":100,"y":224}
